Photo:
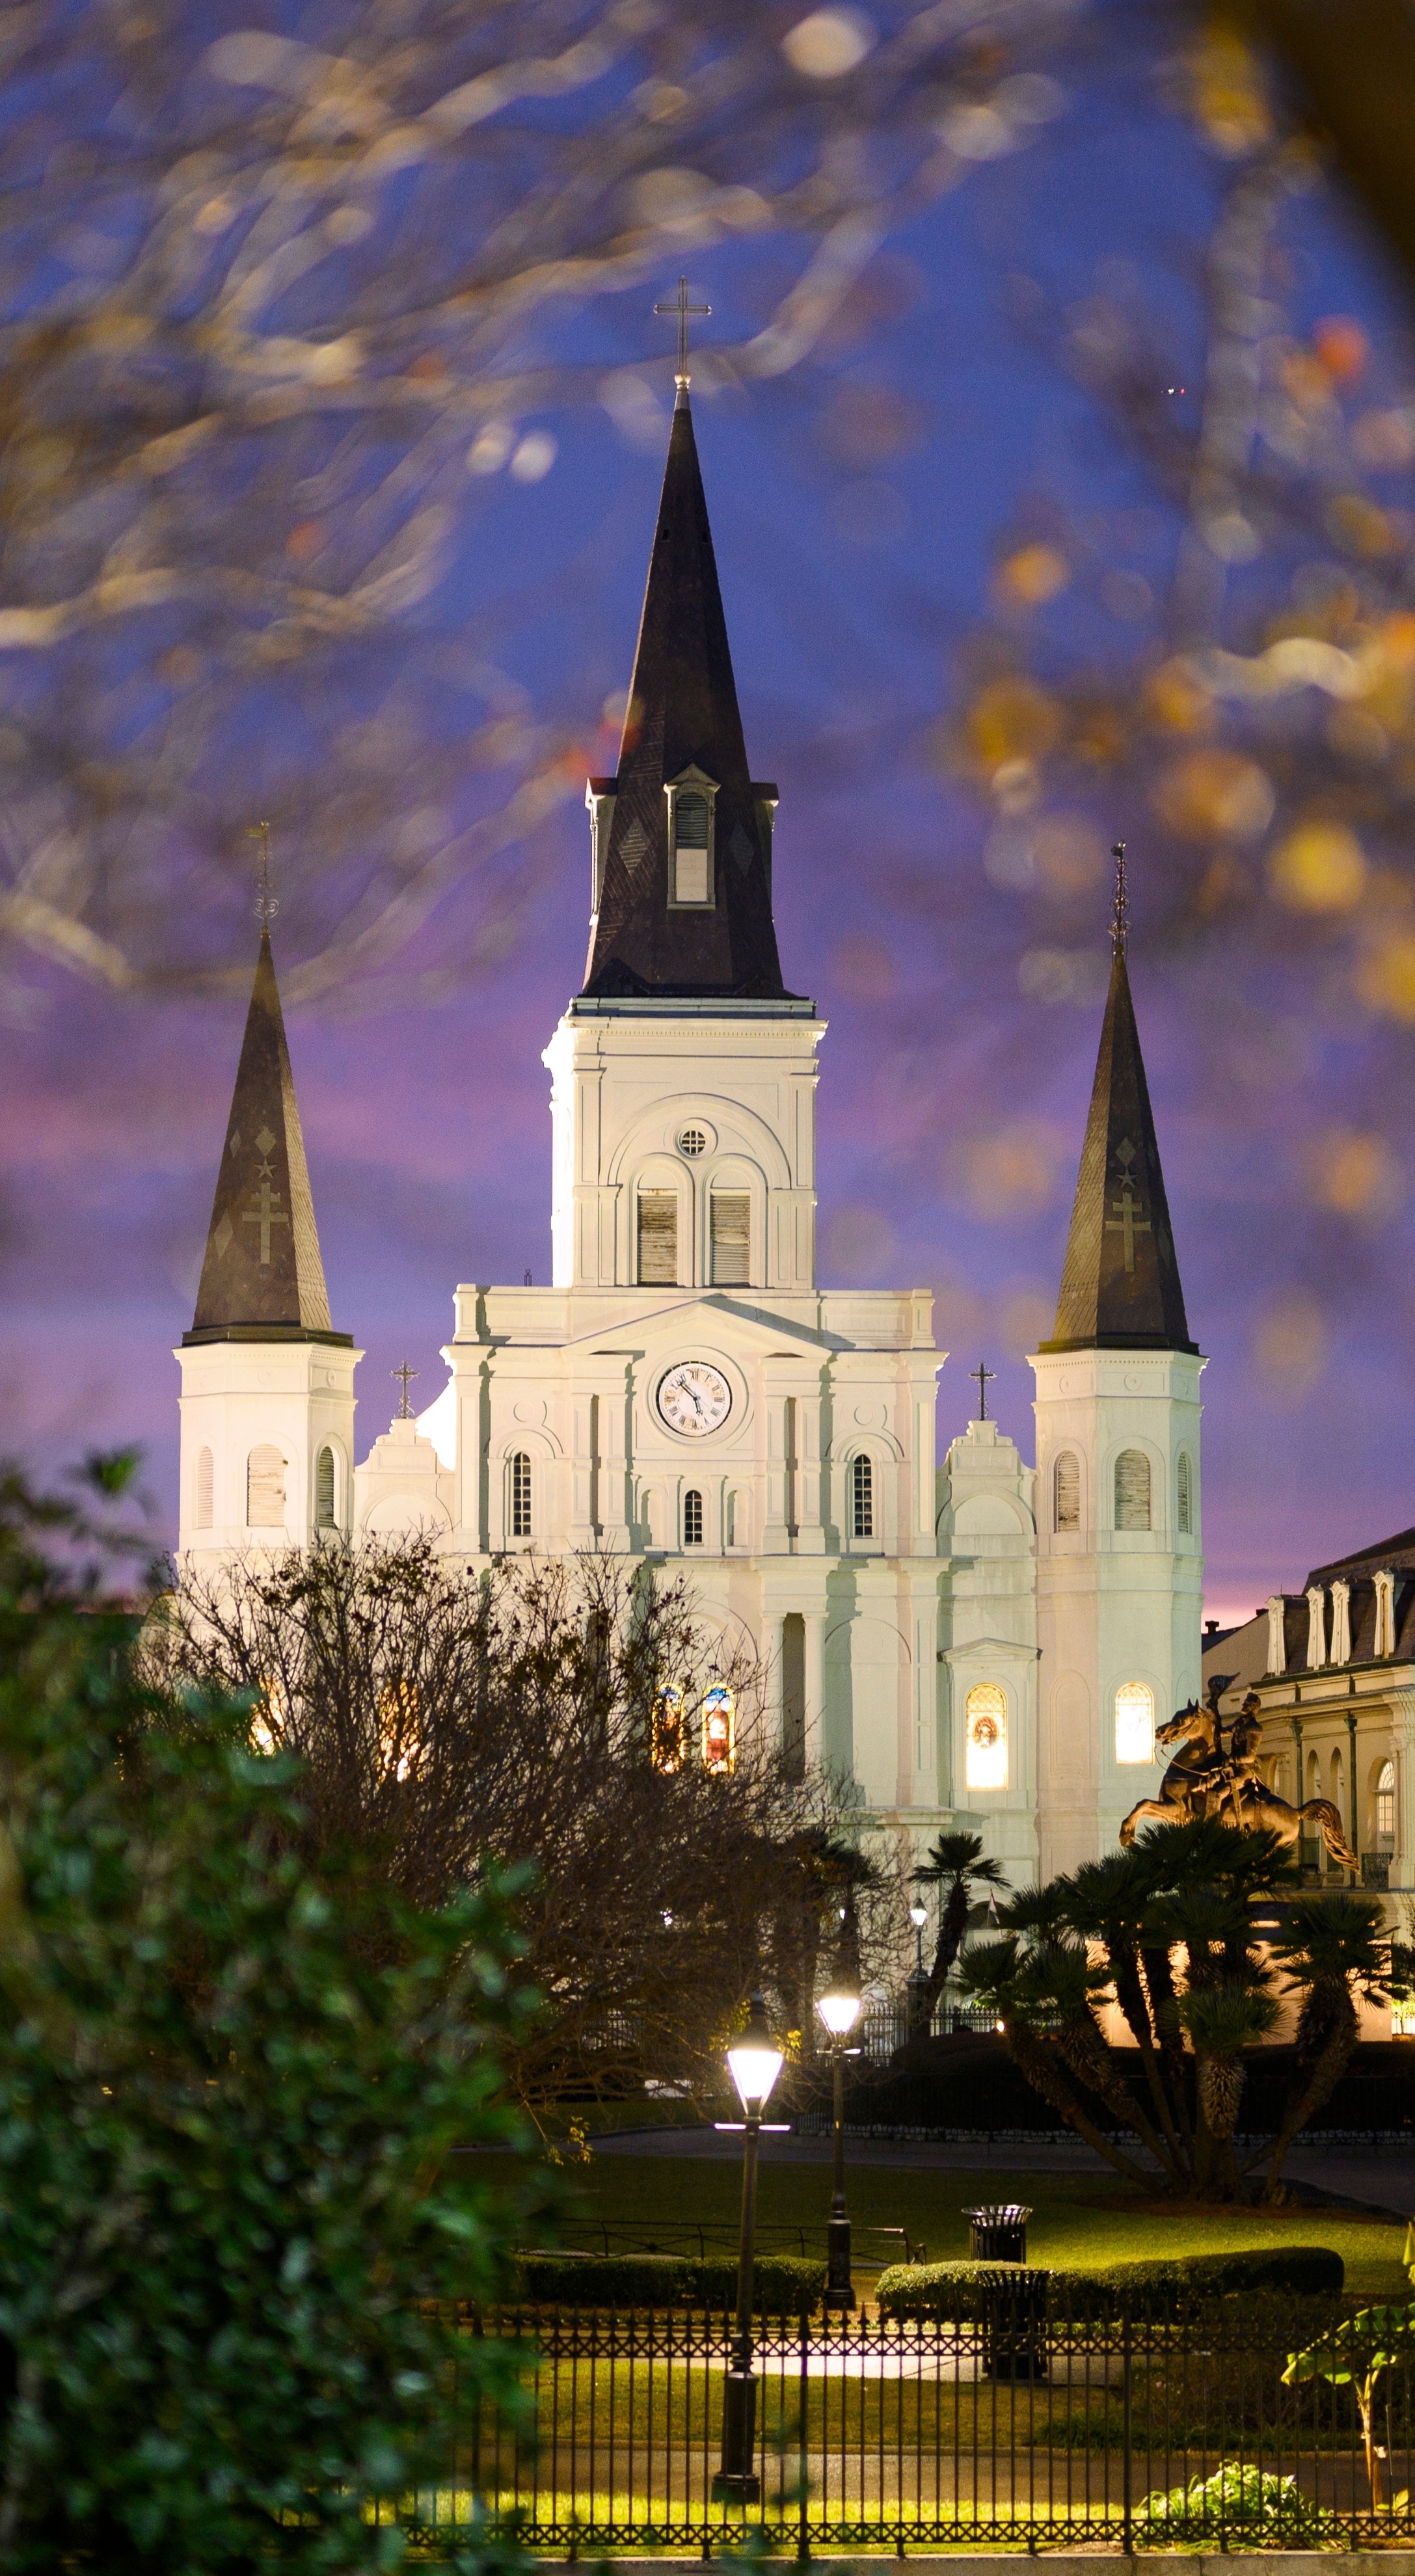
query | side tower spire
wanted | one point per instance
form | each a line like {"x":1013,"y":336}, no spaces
{"x":1120,"y":1286}
{"x":681,"y":902}
{"x":267,"y":1384}
{"x":1119,"y":1568}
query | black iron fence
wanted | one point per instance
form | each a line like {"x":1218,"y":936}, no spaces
{"x":1023,"y":2428}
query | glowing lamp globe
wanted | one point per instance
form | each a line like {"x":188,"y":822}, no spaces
{"x":754,"y":2062}
{"x":918,"y":1916}
{"x":839,"y":2012}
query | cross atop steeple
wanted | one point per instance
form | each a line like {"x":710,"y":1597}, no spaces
{"x":1120,"y":909}
{"x":682,"y":308}
{"x":405,"y":1374}
{"x":984,"y":1377}
{"x":267,"y":904}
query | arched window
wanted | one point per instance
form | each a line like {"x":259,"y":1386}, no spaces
{"x":1184,"y":1496}
{"x":862,"y":1498}
{"x":265,"y":1489}
{"x":668,"y":1735}
{"x":691,"y":873}
{"x":1134,"y":1723}
{"x":1132,"y":1492}
{"x":520,"y":1495}
{"x":1066,"y":1491}
{"x":719,"y":1729}
{"x":692,"y":1518}
{"x":658,"y":1238}
{"x":324,"y":1490}
{"x":985,"y":1755}
{"x":1385,"y":1808}
{"x":731,"y":1229}
{"x":206,"y":1489}
{"x":793,"y":1694}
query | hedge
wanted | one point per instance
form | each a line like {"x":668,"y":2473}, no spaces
{"x":782,"y":2284}
{"x":957,"y":2292}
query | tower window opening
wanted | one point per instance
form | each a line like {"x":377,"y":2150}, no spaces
{"x":324,"y":1490}
{"x":206,"y":1489}
{"x":985,"y":1751}
{"x":1385,"y":1808}
{"x":265,"y":1489}
{"x":719,"y":1729}
{"x":520,"y":1495}
{"x":862,"y":1498}
{"x":1066,"y":1491}
{"x":1184,"y":1496}
{"x":658,"y":1239}
{"x":1132,"y":1492}
{"x":691,"y":865}
{"x":731,"y":1223}
{"x":1134,"y":1723}
{"x":692,"y":1518}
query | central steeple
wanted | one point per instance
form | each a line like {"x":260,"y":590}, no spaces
{"x":682,"y":833}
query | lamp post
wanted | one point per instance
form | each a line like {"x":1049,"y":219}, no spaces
{"x":839,"y":2009}
{"x":918,"y":1980}
{"x":755,"y":2063}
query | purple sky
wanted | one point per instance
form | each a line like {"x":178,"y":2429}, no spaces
{"x":856,"y":508}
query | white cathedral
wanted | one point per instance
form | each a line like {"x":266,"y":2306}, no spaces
{"x":980,"y":1643}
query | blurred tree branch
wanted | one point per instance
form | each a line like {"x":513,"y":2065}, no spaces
{"x":1354,"y":67}
{"x":269,"y":295}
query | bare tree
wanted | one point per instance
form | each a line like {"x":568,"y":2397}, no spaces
{"x":574,"y":1718}
{"x":273,"y":303}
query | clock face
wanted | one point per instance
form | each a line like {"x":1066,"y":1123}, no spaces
{"x":694,"y":1397}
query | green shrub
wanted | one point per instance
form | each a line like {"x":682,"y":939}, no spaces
{"x":1160,"y":2286}
{"x":1256,"y":2503}
{"x":782,"y":2284}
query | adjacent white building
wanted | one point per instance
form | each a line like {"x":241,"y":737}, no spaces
{"x":974,"y":1642}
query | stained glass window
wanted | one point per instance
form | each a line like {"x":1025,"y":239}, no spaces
{"x":719,"y":1729}
{"x":668,"y":1746}
{"x":1134,"y":1723}
{"x":985,"y":1759}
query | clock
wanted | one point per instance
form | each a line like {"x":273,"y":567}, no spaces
{"x":694,"y":1397}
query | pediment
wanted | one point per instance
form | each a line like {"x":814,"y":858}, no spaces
{"x":720,"y":1313}
{"x":692,"y":776}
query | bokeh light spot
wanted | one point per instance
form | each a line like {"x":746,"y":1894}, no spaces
{"x":1033,"y":575}
{"x":1219,"y":792}
{"x":1319,"y":868}
{"x":1342,"y":347}
{"x":1012,"y":719}
{"x":1385,"y":978}
{"x":1356,"y":1174}
{"x":534,"y":457}
{"x":1011,"y":1173}
{"x":828,"y":43}
{"x":1290,"y":1341}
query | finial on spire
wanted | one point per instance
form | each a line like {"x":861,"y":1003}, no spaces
{"x":1120,"y":909}
{"x":266,"y":904}
{"x":984,"y":1377}
{"x":682,"y":308}
{"x":406,"y":1374}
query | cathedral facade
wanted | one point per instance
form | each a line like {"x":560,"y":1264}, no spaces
{"x":976,"y":1641}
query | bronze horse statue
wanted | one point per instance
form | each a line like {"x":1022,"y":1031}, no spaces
{"x":1204,"y":1781}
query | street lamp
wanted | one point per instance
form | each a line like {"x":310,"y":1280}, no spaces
{"x":755,"y":2063}
{"x":839,"y":2008}
{"x":918,"y":1981}
{"x":918,"y":1916}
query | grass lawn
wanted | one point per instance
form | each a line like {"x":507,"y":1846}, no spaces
{"x":1077,"y":2219}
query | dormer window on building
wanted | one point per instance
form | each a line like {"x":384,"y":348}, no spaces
{"x":691,"y":873}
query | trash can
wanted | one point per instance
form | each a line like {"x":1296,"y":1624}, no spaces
{"x":1000,"y":2234}
{"x":1013,"y":2310}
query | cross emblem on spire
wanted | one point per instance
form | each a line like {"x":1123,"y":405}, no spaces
{"x":1125,"y":1221}
{"x":1120,"y":910}
{"x":984,"y":1377}
{"x":405,"y":1373}
{"x":682,"y":308}
{"x":265,"y":1210}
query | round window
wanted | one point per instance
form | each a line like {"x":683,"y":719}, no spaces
{"x":692,"y":1142}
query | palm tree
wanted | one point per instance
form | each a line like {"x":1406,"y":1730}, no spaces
{"x":1222,"y":2020}
{"x":956,"y":1862}
{"x":1331,"y":1952}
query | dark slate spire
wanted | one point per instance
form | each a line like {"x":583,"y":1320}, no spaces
{"x":1120,"y":1288}
{"x":262,"y":1279}
{"x":683,"y":716}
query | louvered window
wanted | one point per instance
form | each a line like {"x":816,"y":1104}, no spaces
{"x":206,"y":1488}
{"x":690,"y":849}
{"x":731,"y":1238}
{"x":520,"y":1495}
{"x":1132,"y":1490}
{"x":1184,"y":1496}
{"x":658,"y":1239}
{"x":265,"y":1489}
{"x":692,"y":1519}
{"x":862,"y":1498}
{"x":324,"y":1490}
{"x":1066,"y":1490}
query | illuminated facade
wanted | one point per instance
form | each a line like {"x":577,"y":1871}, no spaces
{"x":979,"y":1643}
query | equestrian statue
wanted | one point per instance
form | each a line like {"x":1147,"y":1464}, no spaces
{"x":1205,"y":1781}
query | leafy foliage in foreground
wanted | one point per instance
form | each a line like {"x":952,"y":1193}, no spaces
{"x":229,"y":2084}
{"x":1256,"y":2503}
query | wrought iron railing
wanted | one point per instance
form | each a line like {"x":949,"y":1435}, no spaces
{"x":1028,"y":2428}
